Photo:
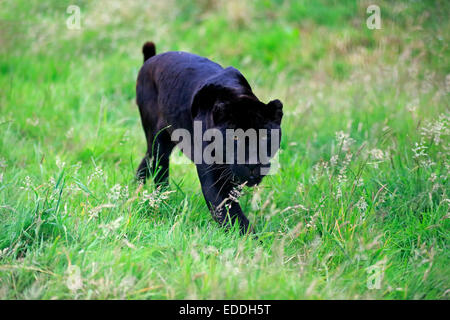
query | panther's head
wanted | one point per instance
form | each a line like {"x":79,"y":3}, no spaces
{"x":252,"y":136}
{"x":250,"y":130}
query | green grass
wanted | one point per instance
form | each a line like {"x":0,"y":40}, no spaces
{"x":364,"y":157}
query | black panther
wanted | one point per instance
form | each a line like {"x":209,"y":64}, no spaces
{"x":173,"y":90}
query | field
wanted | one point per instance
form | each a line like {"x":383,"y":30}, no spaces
{"x":359,"y":208}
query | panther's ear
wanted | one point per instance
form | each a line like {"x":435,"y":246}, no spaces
{"x":275,"y":110}
{"x":204,"y":98}
{"x":220,"y":112}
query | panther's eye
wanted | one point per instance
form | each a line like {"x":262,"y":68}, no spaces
{"x":235,"y":138}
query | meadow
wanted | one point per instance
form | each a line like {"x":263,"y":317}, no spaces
{"x":359,"y":208}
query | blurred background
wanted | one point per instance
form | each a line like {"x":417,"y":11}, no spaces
{"x":315,"y":56}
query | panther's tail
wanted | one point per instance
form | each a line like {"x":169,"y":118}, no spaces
{"x":148,"y":50}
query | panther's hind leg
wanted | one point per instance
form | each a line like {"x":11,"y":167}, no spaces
{"x":155,"y":163}
{"x":161,"y":147}
{"x":143,"y":171}
{"x":146,"y":99}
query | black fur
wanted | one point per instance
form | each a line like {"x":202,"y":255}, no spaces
{"x":175,"y":88}
{"x":149,"y":50}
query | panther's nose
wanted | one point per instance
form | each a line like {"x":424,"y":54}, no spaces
{"x":254,"y":169}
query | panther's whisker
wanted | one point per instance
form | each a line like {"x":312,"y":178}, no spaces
{"x":214,"y":168}
{"x":227,"y":179}
{"x":227,"y":171}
